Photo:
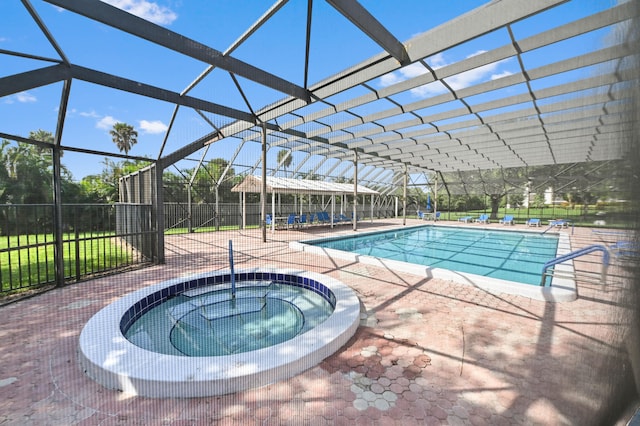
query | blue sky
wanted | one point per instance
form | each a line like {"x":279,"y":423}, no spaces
{"x":278,"y":48}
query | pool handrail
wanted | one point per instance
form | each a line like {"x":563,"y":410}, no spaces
{"x":606,"y":256}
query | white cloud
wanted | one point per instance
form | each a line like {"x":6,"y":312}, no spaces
{"x":90,"y":114}
{"x":437,"y":61}
{"x":152,"y":127}
{"x":456,"y":82}
{"x":144,"y":9}
{"x":500,"y":75}
{"x":25,"y":97}
{"x":479,"y":52}
{"x":106,"y":123}
{"x":404,"y":73}
{"x":430,"y":89}
{"x":390,"y":79}
{"x":467,"y":78}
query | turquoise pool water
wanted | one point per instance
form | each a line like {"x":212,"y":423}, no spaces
{"x":507,"y":255}
{"x":209,"y":322}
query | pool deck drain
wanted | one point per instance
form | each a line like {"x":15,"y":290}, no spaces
{"x":492,"y":358}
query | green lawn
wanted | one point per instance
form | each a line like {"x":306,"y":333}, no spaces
{"x":27,"y":261}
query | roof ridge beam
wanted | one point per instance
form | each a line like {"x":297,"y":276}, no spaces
{"x":368,"y":24}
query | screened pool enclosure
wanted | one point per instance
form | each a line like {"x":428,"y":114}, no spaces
{"x":511,"y":104}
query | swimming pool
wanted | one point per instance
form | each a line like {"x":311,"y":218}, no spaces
{"x":499,"y":260}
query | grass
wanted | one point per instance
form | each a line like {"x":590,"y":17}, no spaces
{"x":27,"y":261}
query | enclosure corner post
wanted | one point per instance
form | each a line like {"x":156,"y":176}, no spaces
{"x":56,"y":153}
{"x":57,"y":217}
{"x":355,"y":191}
{"x":263,"y":189}
{"x":404,"y":196}
{"x":158,"y":209}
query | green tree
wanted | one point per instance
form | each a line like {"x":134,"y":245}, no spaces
{"x":103,"y":187}
{"x":26,"y":175}
{"x":210,"y":174}
{"x":124,"y":136}
{"x":42,"y":136}
{"x":285,"y":158}
{"x":516,"y":199}
{"x":175,"y":187}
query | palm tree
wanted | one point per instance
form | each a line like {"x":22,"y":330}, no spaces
{"x":124,"y":136}
{"x":284,"y":158}
{"x":42,"y":136}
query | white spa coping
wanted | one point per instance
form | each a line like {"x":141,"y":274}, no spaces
{"x":110,"y":359}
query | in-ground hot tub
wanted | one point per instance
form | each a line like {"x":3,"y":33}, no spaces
{"x":120,"y":354}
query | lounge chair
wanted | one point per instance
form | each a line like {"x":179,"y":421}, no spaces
{"x":533,"y":222}
{"x":484,"y":218}
{"x":268,"y":219}
{"x":303,"y":220}
{"x":319,"y":220}
{"x":428,"y":215}
{"x":324,"y":218}
{"x":560,"y":223}
{"x":625,"y":249}
{"x":344,"y":218}
{"x":292,"y":221}
{"x":465,"y":219}
{"x":507,"y":219}
{"x":341,"y":218}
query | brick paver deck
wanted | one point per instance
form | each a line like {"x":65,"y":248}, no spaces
{"x":428,"y":351}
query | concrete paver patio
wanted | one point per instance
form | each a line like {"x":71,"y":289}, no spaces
{"x":428,"y":351}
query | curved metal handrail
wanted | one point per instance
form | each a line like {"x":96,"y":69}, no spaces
{"x":606,"y":256}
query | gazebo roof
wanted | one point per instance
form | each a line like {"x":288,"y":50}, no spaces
{"x":281,"y":185}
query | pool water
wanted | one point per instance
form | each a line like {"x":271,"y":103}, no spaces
{"x":210,"y":322}
{"x":507,"y":255}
